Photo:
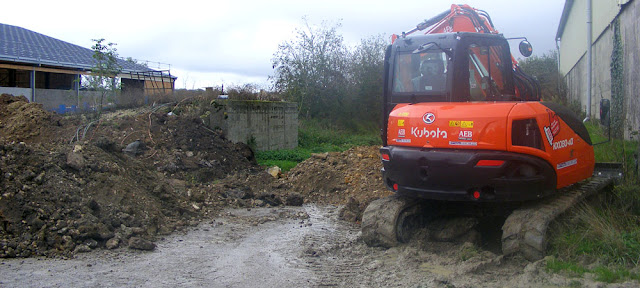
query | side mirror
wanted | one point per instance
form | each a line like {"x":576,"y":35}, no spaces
{"x":525,"y":48}
{"x":604,"y":111}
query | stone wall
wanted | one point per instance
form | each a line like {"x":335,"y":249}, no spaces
{"x":262,"y":124}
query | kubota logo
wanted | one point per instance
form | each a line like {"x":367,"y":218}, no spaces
{"x":428,"y":118}
{"x":426,"y":133}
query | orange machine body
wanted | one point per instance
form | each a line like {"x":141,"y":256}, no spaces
{"x":490,"y":126}
{"x":463,"y":123}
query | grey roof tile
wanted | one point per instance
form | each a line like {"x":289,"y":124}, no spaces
{"x":18,"y":44}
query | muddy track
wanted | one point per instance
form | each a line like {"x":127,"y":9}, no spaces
{"x":284,"y":247}
{"x":322,"y":242}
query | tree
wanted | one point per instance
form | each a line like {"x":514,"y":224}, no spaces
{"x":329,"y":80}
{"x":545,"y":69}
{"x":312,"y":70}
{"x":366,"y":79}
{"x":104,"y":71}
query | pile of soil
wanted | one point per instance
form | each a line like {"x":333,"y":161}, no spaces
{"x":351,"y":178}
{"x":24,"y":121}
{"x":337,"y":177}
{"x":71,"y":184}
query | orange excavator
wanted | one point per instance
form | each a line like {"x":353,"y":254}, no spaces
{"x":465,"y":133}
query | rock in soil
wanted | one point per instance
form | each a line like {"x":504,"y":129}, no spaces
{"x":112,"y":243}
{"x":141,"y":244}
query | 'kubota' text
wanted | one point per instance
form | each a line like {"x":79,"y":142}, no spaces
{"x":426,"y":133}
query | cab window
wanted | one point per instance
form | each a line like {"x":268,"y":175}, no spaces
{"x":486,"y":81}
{"x":421,"y":72}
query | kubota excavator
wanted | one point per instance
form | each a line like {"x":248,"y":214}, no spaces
{"x":465,"y":132}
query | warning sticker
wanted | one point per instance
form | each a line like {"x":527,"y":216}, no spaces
{"x":461,"y":124}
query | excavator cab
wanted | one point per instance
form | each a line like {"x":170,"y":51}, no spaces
{"x":455,"y":67}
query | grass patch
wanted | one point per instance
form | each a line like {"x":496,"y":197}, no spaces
{"x":319,"y":138}
{"x":607,"y":228}
{"x":616,"y":150}
{"x":613,"y":275}
{"x":314,"y":137}
{"x":558,"y":266}
{"x":283,"y":164}
{"x":601,"y":273}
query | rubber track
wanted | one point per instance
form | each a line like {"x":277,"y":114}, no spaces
{"x":381,"y":218}
{"x":525,"y":230}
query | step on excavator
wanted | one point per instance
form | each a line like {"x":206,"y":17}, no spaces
{"x":466,"y":133}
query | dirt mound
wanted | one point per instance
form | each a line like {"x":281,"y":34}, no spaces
{"x":350,"y":178}
{"x":24,"y":121}
{"x":138,"y":175}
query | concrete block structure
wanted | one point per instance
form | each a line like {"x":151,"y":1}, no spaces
{"x":265,"y":125}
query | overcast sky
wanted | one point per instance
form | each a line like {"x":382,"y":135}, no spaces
{"x":208,"y":43}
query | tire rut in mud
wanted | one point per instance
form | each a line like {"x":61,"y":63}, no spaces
{"x":323,"y":254}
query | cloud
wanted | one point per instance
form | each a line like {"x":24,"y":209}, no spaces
{"x":235,"y":39}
